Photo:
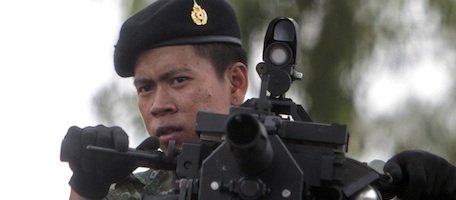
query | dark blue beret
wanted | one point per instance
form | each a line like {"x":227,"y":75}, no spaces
{"x":174,"y":22}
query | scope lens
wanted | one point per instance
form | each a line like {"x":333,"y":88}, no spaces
{"x":278,"y":55}
{"x":284,"y":31}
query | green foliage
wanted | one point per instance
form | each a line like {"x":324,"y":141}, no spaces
{"x":447,"y":9}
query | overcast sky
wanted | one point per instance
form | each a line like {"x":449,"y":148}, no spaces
{"x":54,"y":55}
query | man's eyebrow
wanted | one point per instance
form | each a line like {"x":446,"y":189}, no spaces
{"x":168,"y":74}
{"x":163,"y":77}
{"x":140,"y":81}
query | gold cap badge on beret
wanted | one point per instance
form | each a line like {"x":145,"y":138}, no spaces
{"x":199,"y":15}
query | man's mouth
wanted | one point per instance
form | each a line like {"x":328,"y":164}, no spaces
{"x":167,"y":133}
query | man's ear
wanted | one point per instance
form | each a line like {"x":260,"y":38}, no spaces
{"x":238,"y":80}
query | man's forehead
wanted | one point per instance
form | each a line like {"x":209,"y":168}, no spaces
{"x":169,"y":57}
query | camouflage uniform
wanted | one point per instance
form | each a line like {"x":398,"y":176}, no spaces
{"x":150,"y":182}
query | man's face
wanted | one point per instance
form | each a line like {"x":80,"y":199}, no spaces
{"x":173,"y":84}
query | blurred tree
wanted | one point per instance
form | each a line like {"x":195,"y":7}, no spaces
{"x":338,"y":39}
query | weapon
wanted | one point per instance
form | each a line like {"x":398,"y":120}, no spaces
{"x":268,"y":148}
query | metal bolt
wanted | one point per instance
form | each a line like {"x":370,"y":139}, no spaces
{"x":286,"y":193}
{"x":215,"y":185}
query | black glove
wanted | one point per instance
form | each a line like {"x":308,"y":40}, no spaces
{"x":424,"y":175}
{"x":94,"y":172}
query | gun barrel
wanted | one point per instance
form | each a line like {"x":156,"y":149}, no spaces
{"x":249,"y":143}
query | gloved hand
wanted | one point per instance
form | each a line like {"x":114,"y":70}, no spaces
{"x":424,"y":175}
{"x":94,"y":172}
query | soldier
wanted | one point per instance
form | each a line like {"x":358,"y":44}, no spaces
{"x":186,"y":56}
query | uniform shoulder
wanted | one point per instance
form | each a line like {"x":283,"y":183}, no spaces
{"x":149,"y":182}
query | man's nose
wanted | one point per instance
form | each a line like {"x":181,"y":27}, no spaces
{"x":163,"y":103}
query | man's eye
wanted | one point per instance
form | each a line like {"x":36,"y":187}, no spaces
{"x":145,"y":88}
{"x":179,"y":80}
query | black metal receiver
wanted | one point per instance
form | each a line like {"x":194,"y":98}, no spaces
{"x":269,"y":148}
